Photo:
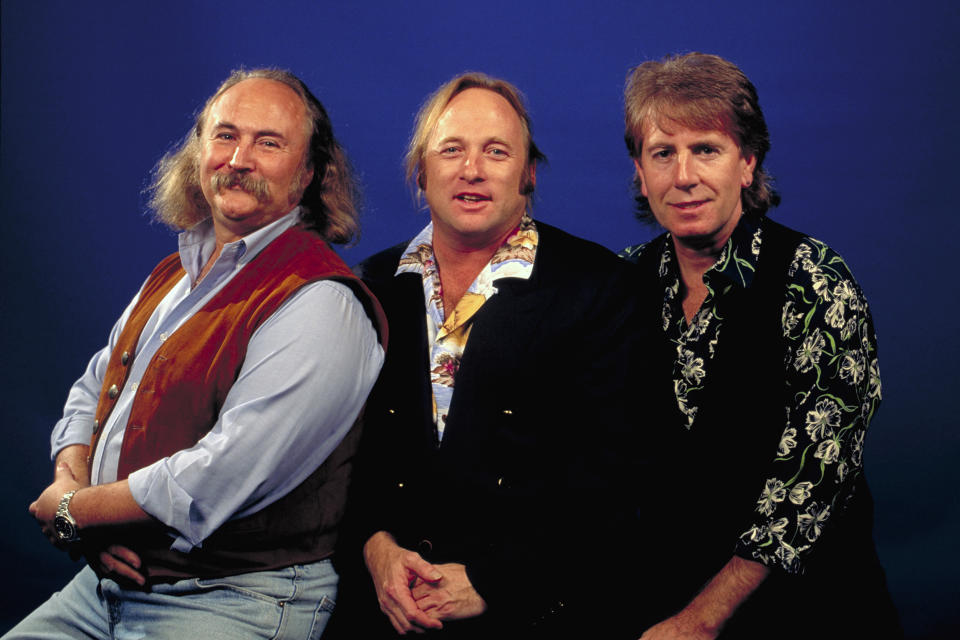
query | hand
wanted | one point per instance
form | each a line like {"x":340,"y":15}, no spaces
{"x":394,"y":570}
{"x":678,"y":627}
{"x":450,"y":598}
{"x":118,"y":563}
{"x":45,"y":507}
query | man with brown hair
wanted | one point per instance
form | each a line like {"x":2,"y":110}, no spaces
{"x":765,"y":356}
{"x":203,"y":457}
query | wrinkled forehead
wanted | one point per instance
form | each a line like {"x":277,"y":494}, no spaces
{"x":486,"y":108}
{"x":271,"y":102}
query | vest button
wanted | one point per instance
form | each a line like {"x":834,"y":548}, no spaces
{"x":113,"y":392}
{"x":96,"y":426}
{"x":125,"y":358}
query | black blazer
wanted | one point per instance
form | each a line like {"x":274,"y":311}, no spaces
{"x":528,"y":487}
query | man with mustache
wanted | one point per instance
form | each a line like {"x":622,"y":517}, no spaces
{"x":203,"y":457}
{"x":491,"y":451}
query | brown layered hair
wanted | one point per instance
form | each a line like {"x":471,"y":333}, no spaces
{"x":705,"y":93}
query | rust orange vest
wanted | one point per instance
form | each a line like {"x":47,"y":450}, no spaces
{"x":179,"y":399}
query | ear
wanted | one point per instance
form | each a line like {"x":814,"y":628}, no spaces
{"x":643,"y":182}
{"x":746,"y":177}
{"x":306,"y":179}
{"x":421,"y":177}
{"x":529,"y":181}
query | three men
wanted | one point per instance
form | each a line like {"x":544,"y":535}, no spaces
{"x":493,"y":438}
{"x":203,"y":457}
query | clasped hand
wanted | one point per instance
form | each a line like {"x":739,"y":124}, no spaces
{"x":414,"y":594}
{"x":109,"y":560}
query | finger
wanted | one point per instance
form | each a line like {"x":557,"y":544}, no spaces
{"x":112,"y":565}
{"x":33,"y":508}
{"x":422,"y":569}
{"x":399,"y":624}
{"x":407,"y":609}
{"x":124,"y":554}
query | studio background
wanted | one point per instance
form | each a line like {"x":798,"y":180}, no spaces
{"x":859,"y":96}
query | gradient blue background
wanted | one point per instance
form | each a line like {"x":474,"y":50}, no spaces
{"x":860,"y":99}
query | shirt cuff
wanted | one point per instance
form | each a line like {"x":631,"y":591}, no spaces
{"x":70,"y":431}
{"x":157,"y":493}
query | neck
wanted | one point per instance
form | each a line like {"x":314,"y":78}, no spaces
{"x":694,"y":262}
{"x":459,"y":262}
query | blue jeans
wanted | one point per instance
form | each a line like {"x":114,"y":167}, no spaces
{"x":295,"y":602}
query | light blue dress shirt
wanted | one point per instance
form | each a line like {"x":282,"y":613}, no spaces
{"x":307,"y":373}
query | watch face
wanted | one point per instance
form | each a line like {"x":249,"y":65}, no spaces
{"x":65,"y":528}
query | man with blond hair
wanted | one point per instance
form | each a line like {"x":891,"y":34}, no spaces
{"x":492,"y":438}
{"x":203,"y":457}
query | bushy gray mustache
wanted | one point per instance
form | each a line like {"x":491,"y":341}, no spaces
{"x":257,"y":187}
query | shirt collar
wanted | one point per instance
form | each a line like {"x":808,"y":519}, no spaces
{"x":514,"y":258}
{"x":196,"y":244}
{"x":737,"y":263}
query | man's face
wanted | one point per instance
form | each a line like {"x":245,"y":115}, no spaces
{"x":473,"y":169}
{"x":692,"y":180}
{"x":254,"y":143}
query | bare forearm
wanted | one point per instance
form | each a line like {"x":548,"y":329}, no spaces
{"x":726,"y":591}
{"x":105,"y":505}
{"x":75,"y":457}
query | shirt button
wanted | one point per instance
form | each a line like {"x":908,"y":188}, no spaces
{"x":113,"y":392}
{"x":163,"y":336}
{"x":125,"y":358}
{"x":135,"y":386}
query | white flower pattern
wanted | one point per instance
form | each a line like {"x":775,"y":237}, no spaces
{"x":831,"y":374}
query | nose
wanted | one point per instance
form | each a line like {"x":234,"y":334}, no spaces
{"x":685,"y":176}
{"x":473,"y":167}
{"x":240,"y":161}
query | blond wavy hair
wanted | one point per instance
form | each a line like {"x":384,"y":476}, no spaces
{"x":433,"y":108}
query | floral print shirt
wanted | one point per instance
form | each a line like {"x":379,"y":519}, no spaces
{"x":447,"y":336}
{"x":830,"y":369}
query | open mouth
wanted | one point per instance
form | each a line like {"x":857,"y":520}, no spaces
{"x":471,"y":197}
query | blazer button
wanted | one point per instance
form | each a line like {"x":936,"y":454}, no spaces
{"x":125,"y":358}
{"x":113,"y":392}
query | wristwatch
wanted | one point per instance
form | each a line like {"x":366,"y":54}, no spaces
{"x":63,"y":522}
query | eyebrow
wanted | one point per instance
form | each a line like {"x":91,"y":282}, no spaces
{"x":264,"y":132}
{"x":459,"y":139}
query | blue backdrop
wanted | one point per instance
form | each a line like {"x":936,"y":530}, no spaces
{"x":859,"y":98}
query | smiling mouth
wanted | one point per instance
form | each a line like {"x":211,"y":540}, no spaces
{"x":689,"y":205}
{"x":471,"y":197}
